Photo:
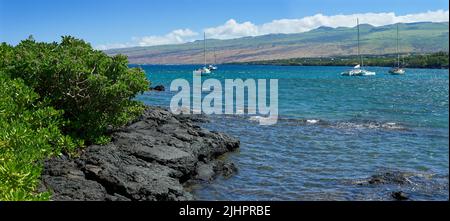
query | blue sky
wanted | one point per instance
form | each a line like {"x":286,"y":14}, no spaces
{"x":120,"y":23}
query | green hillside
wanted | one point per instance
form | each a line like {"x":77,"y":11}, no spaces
{"x":424,"y":37}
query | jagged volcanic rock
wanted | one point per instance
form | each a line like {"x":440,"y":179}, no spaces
{"x":149,"y":159}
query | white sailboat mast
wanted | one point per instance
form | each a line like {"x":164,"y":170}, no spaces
{"x":359,"y":50}
{"x":398,"y":51}
{"x":204,"y":48}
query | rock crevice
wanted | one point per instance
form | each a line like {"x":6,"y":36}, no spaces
{"x":150,"y":159}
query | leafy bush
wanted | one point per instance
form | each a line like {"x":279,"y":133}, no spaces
{"x":29,"y":133}
{"x":94,"y":90}
{"x":53,"y":96}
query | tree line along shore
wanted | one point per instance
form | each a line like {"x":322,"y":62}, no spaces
{"x":438,"y":60}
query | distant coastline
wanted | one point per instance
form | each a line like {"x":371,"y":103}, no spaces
{"x":437,"y":60}
{"x":324,"y":42}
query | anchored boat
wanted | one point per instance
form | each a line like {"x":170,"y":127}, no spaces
{"x":213,"y":67}
{"x":397,"y":70}
{"x":205,"y":70}
{"x":358,"y":70}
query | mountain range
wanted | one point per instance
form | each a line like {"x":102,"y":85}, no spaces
{"x":423,"y":37}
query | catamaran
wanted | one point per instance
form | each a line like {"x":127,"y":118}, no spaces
{"x":205,"y":70}
{"x":397,"y":70}
{"x":358,"y":70}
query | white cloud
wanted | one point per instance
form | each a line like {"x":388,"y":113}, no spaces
{"x":233,"y":29}
{"x":178,"y":36}
{"x":114,"y":45}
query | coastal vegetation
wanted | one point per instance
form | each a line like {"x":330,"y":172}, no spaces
{"x":433,"y":60}
{"x":55,"y":98}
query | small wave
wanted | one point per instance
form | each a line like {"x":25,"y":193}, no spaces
{"x":303,"y":121}
{"x":345,"y":125}
{"x":312,"y":121}
{"x":264,"y":119}
{"x":369,"y":125}
{"x":393,"y":126}
{"x":255,"y":118}
{"x":355,"y":124}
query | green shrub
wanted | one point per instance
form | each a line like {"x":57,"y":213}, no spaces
{"x":29,"y":133}
{"x":95,"y":91}
{"x":53,"y":96}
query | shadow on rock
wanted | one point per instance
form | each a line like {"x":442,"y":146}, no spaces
{"x":150,"y":159}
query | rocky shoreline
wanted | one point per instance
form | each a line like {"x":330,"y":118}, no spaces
{"x":154,"y":158}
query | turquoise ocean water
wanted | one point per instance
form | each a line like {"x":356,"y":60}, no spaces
{"x":332,"y":132}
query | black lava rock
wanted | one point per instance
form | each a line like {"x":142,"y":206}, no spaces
{"x":149,"y":159}
{"x":158,"y":88}
{"x":394,"y":177}
{"x":399,"y":195}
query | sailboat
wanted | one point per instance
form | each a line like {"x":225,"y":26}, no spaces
{"x":213,"y":67}
{"x":397,"y":70}
{"x":204,"y":70}
{"x":358,"y":70}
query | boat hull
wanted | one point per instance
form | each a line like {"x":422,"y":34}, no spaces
{"x":212,"y":68}
{"x":397,"y":71}
{"x":358,"y":72}
{"x":203,"y":71}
